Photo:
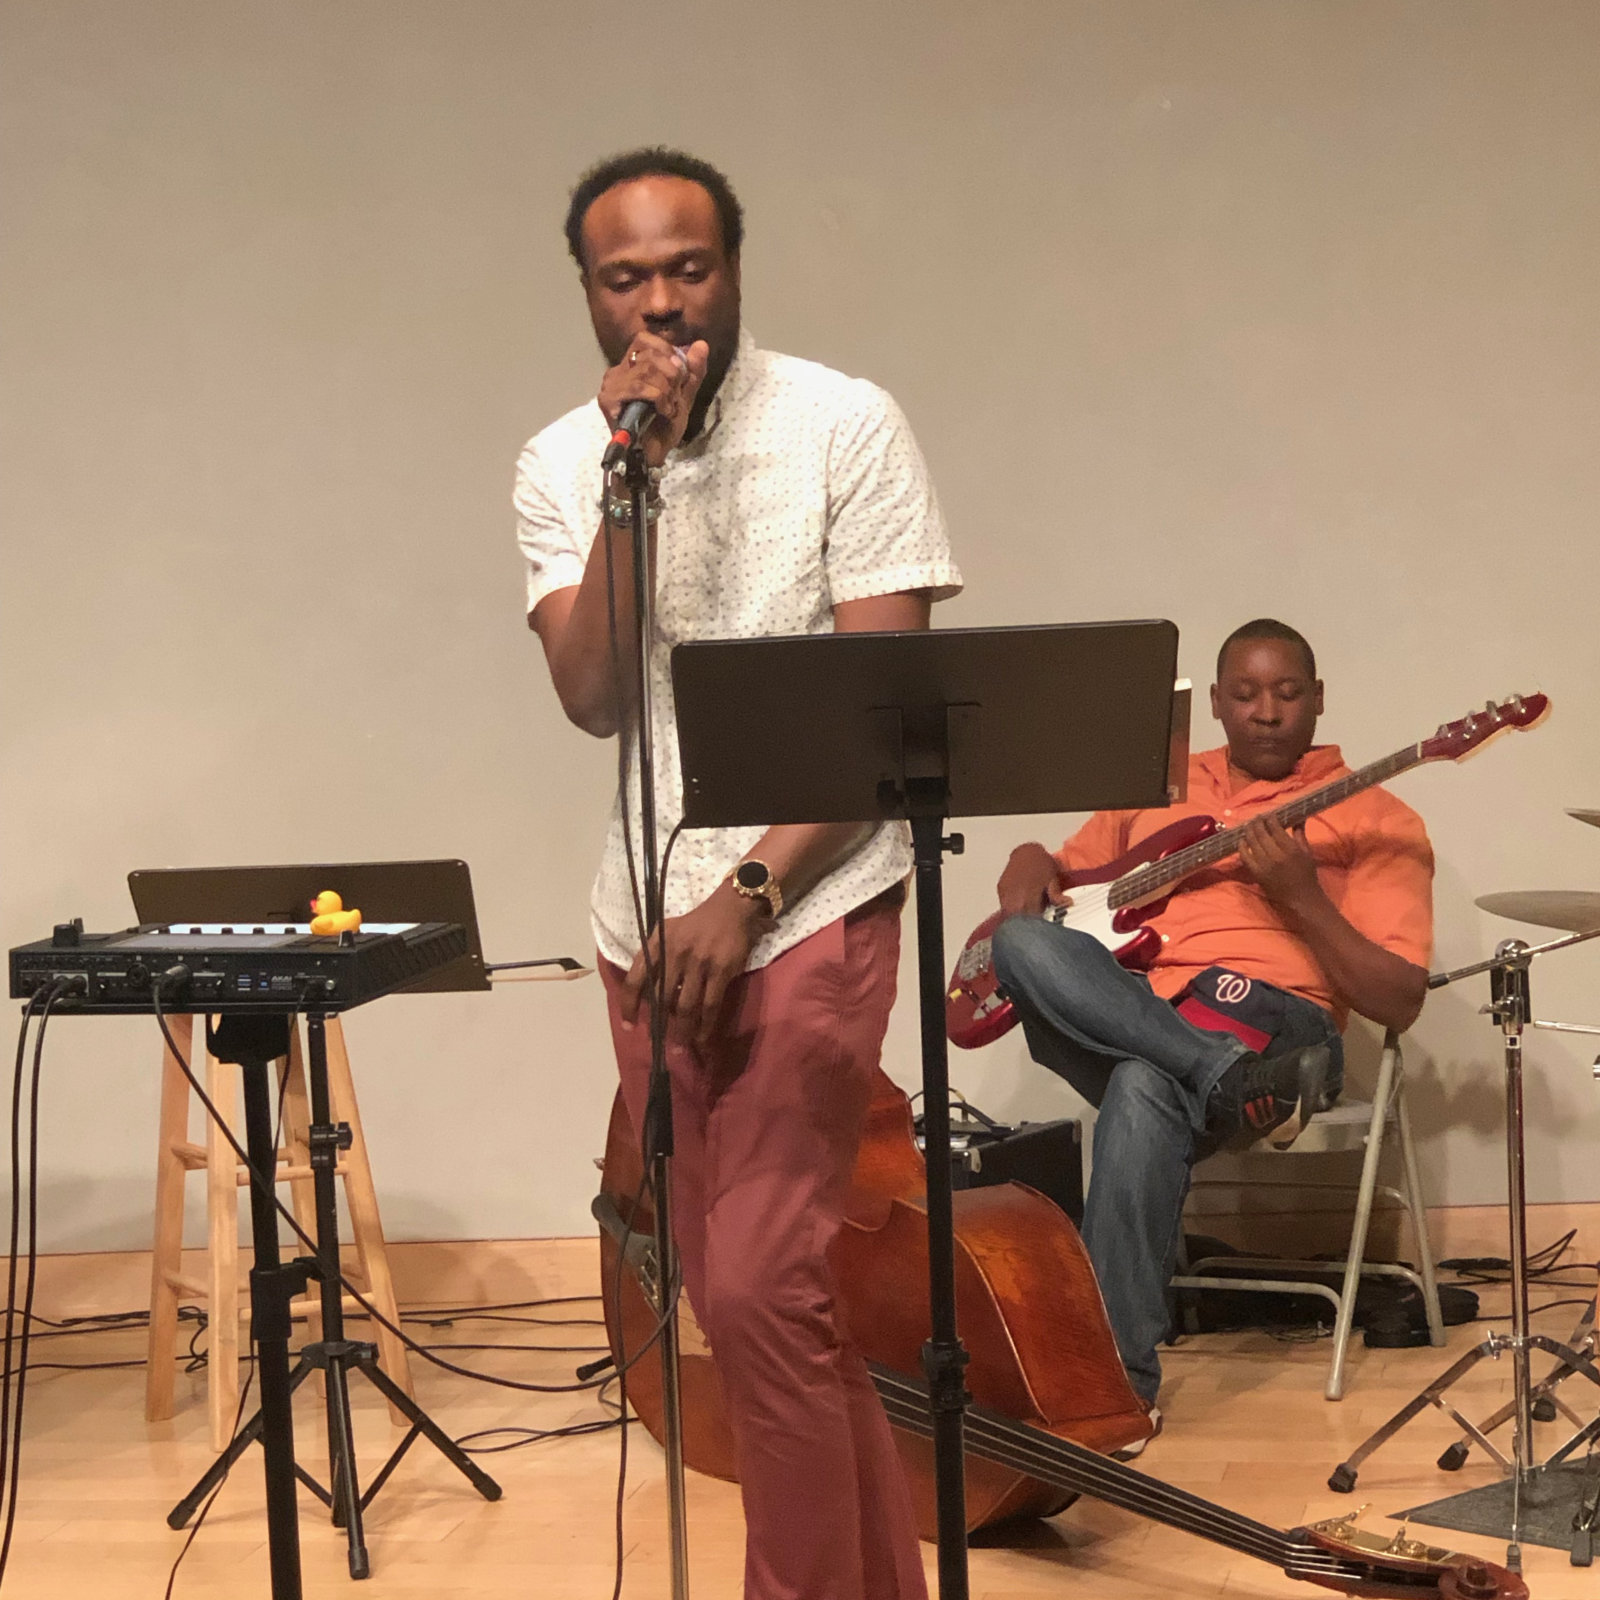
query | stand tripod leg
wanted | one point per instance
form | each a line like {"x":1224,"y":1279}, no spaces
{"x":343,"y":1486}
{"x":1572,"y":1360}
{"x":219,"y":1469}
{"x":430,"y":1430}
{"x":1343,"y":1477}
{"x":1585,"y":1436}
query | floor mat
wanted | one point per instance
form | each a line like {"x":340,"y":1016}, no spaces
{"x":1550,"y":1500}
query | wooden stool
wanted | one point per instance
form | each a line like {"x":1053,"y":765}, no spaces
{"x":177,"y":1156}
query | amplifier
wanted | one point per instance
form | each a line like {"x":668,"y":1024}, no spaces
{"x":1047,"y":1156}
{"x":220,"y":968}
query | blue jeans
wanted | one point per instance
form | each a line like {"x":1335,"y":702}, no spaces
{"x":1150,"y":1073}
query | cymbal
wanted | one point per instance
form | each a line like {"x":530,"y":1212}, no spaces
{"x":1576,"y":910}
{"x":1591,"y":817}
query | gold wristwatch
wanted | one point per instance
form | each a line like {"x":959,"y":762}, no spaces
{"x":754,"y":880}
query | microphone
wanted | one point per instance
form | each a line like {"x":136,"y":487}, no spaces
{"x":636,"y":416}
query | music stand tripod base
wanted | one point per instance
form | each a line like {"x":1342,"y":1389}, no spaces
{"x":254,"y":1042}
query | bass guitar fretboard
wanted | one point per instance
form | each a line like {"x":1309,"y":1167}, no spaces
{"x":1143,"y":883}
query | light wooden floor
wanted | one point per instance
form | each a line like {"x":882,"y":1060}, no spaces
{"x":1246,"y":1425}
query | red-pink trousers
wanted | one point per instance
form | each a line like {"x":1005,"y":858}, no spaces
{"x":767,"y":1119}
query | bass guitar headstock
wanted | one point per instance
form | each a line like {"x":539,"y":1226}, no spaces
{"x":1339,"y":1555}
{"x":1457,"y":739}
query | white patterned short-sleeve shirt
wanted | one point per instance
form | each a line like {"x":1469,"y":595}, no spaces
{"x":805,"y":488}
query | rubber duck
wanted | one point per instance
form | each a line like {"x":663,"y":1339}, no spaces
{"x":328,"y":915}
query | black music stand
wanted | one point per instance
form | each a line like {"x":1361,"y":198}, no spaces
{"x":863,"y":727}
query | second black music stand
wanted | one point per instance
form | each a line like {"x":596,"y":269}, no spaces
{"x":865,"y":727}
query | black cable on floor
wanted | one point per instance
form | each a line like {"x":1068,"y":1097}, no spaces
{"x":267,"y":1187}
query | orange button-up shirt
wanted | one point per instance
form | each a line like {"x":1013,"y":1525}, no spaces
{"x":1373,"y":861}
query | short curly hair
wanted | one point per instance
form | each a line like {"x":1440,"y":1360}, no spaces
{"x":654,"y":161}
{"x":1268,"y":628}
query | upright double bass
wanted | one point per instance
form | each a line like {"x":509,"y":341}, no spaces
{"x":1050,"y":1396}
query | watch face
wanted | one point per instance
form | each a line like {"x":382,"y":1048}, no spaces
{"x":751,"y":875}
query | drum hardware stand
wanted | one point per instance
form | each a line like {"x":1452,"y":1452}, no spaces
{"x":1509,"y":1006}
{"x":254,"y":1042}
{"x":1547,"y":1404}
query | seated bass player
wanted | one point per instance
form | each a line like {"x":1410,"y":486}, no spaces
{"x":1235,"y":1030}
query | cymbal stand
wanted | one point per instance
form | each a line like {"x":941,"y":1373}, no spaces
{"x":1510,"y":1007}
{"x":1584,"y":1339}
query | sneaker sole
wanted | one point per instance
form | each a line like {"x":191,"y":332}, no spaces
{"x":1314,"y":1062}
{"x":1287,"y":1132}
{"x":1132,"y":1452}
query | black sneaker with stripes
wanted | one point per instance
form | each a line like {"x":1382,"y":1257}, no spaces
{"x":1271,"y":1097}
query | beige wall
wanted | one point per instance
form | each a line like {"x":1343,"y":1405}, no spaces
{"x":1310,"y":286}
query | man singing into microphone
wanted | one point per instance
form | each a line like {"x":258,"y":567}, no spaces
{"x":785,"y":499}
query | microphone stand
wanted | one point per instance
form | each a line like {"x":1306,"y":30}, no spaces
{"x":658,"y":1118}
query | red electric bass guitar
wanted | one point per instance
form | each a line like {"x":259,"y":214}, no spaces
{"x":1118,"y":902}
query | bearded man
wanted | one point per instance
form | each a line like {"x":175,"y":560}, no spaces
{"x":786,"y":498}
